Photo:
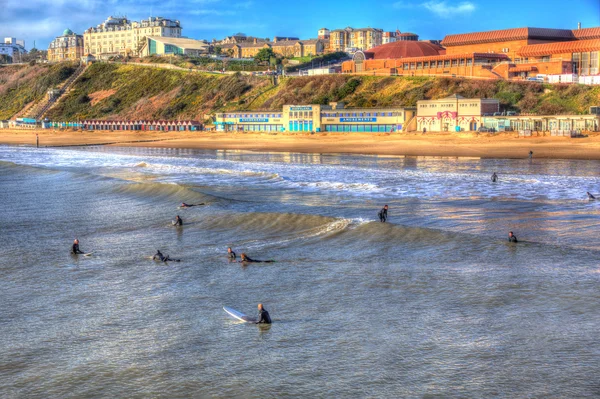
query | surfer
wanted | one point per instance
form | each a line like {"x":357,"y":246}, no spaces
{"x":512,"y":237}
{"x":159,"y":256}
{"x":383,"y":214}
{"x":184,"y":205}
{"x":590,"y":196}
{"x":246,"y":259}
{"x":75,"y":250}
{"x":263,"y":315}
{"x":178,"y":221}
{"x":494,"y":177}
{"x":231,"y":254}
{"x":530,"y":154}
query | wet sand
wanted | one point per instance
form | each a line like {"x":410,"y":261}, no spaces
{"x":505,"y":145}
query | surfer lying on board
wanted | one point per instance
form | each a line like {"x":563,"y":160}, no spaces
{"x":178,"y":221}
{"x":246,"y":259}
{"x":184,"y":205}
{"x":512,"y":237}
{"x":159,"y":256}
{"x":230,"y":254}
{"x":75,"y":250}
{"x":263,"y":315}
{"x":590,"y":196}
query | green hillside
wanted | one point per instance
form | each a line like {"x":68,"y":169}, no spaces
{"x":111,"y":91}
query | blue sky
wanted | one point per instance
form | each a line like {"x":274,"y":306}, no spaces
{"x":42,"y":20}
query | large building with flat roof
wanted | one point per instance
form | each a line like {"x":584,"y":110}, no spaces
{"x":454,"y":113}
{"x":334,"y":117}
{"x":159,"y":45}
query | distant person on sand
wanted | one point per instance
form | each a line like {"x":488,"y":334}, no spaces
{"x":590,"y":196}
{"x":512,"y":237}
{"x":75,"y":250}
{"x":178,"y":221}
{"x":530,"y":154}
{"x":383,"y":214}
{"x":159,"y":256}
{"x":230,"y":254}
{"x":494,"y":177}
{"x":263,"y":315}
{"x":245,"y":259}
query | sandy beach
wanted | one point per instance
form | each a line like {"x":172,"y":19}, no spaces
{"x":505,"y":145}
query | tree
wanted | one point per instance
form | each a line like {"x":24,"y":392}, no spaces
{"x":264,"y":55}
{"x":218,"y":50}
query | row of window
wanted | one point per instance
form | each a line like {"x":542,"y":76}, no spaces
{"x":358,"y":114}
{"x":251,"y":115}
{"x":437,"y":64}
{"x":362,"y":128}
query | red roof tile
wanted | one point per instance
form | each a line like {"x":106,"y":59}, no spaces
{"x":403,"y":49}
{"x":587,"y":33}
{"x":538,"y":50}
{"x":506,"y":35}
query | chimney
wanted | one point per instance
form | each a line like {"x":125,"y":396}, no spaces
{"x":578,"y":25}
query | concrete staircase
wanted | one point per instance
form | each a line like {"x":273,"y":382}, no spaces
{"x":39,"y":110}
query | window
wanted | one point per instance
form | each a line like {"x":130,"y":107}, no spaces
{"x":454,"y":63}
{"x":469,"y":62}
{"x":446,"y":63}
{"x":462,"y":62}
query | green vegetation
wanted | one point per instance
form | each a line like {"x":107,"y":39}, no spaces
{"x":21,"y":85}
{"x":133,"y":92}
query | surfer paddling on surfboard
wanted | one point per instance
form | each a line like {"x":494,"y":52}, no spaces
{"x":184,"y":205}
{"x":163,"y":258}
{"x":246,"y":259}
{"x":75,"y":249}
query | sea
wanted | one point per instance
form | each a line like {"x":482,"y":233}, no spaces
{"x":435,"y":303}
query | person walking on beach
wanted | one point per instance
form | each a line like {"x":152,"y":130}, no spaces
{"x":230,"y":254}
{"x":383,"y":214}
{"x":494,"y":177}
{"x":263,"y":315}
{"x":75,"y":249}
{"x":512,"y":237}
{"x":530,"y":154}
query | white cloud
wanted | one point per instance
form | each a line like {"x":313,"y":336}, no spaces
{"x":445,"y":10}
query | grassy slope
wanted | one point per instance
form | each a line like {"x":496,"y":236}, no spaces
{"x":129,"y":92}
{"x":20,"y":85}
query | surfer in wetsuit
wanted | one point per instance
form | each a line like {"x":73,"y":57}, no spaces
{"x":178,"y":221}
{"x":494,"y":177}
{"x":159,"y":256}
{"x":184,"y":205}
{"x":512,"y":237}
{"x":75,"y":249}
{"x":246,"y":259}
{"x":230,"y":254}
{"x":263,"y":315}
{"x":383,"y":214}
{"x":590,"y":196}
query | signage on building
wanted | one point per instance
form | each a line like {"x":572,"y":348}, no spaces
{"x":350,"y":120}
{"x":254,"y":120}
{"x":300,"y":108}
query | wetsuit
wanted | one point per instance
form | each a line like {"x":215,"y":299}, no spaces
{"x":263,"y":317}
{"x":590,"y":196}
{"x":75,"y":250}
{"x":163,"y":258}
{"x":382,"y":215}
{"x":513,"y":238}
{"x":494,"y":177}
{"x":231,"y":255}
{"x":247,"y":259}
{"x":178,"y":222}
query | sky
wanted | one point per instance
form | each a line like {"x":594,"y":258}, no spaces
{"x":42,"y":20}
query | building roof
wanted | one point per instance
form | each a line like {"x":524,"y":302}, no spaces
{"x":67,"y":32}
{"x":577,"y":46}
{"x":406,"y":34}
{"x":284,"y":43}
{"x":403,"y":49}
{"x":190,"y":44}
{"x":587,"y":33}
{"x":506,"y":35}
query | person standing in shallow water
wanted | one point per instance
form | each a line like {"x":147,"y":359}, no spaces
{"x":263,"y":315}
{"x":75,"y":249}
{"x":530,"y":154}
{"x":494,"y":177}
{"x":383,"y":214}
{"x":512,"y":237}
{"x":230,"y":254}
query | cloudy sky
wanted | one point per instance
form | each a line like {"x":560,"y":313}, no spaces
{"x":42,"y":20}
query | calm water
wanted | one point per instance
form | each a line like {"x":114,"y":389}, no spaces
{"x":435,"y":303}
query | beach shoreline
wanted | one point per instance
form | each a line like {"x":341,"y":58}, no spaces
{"x":483,"y":145}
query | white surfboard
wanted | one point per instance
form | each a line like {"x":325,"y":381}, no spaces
{"x":88,"y":254}
{"x":239,"y":315}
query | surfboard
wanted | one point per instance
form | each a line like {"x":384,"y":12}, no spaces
{"x":88,"y":254}
{"x":239,"y":315}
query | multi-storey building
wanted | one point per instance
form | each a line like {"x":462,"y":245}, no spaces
{"x":454,"y":113}
{"x":351,"y":40}
{"x":284,"y":48}
{"x":120,"y":36}
{"x":68,"y":47}
{"x":12,"y":49}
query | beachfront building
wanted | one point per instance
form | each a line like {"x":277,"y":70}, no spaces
{"x":557,"y":125}
{"x":454,"y":113}
{"x":11,"y":50}
{"x":142,"y":125}
{"x":334,"y":117}
{"x":120,"y":36}
{"x":503,"y":54}
{"x":68,"y":47}
{"x":350,"y":39}
{"x":284,"y":48}
{"x":157,"y":45}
